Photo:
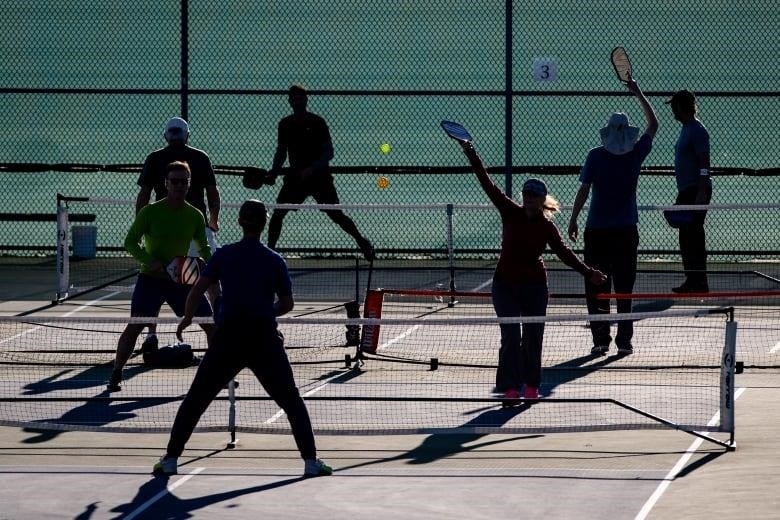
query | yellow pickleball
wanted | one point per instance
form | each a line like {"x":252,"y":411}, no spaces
{"x":385,"y":148}
{"x":382,"y":182}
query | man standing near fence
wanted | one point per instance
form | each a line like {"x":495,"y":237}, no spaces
{"x":694,"y":186}
{"x":611,"y":236}
{"x":202,"y":181}
{"x":304,"y":138}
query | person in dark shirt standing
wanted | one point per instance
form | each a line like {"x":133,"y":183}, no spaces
{"x":304,"y":139}
{"x":256,"y":288}
{"x":520,"y":279}
{"x":694,"y":186}
{"x":202,"y":181}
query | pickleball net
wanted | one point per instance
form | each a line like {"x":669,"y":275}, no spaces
{"x":425,"y":374}
{"x":455,"y":249}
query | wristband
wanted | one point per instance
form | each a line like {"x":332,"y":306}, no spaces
{"x":704,"y":172}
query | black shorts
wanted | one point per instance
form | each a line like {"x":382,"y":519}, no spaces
{"x":320,"y":187}
{"x":151,"y":292}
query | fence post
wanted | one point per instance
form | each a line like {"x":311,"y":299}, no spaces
{"x":185,"y":60}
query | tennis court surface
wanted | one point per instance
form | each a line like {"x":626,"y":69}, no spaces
{"x":539,"y":469}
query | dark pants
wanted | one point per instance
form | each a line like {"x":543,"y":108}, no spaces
{"x":613,"y":252}
{"x":234,"y":347}
{"x":520,"y":355}
{"x":693,"y":248}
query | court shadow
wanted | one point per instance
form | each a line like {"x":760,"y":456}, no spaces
{"x":93,"y":377}
{"x":171,"y":507}
{"x":439,"y":446}
{"x":573,"y":369}
{"x":703,"y":461}
{"x":653,"y":306}
{"x":442,"y":445}
{"x":93,"y":413}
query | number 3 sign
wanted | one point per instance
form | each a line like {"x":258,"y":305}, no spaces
{"x":545,"y":69}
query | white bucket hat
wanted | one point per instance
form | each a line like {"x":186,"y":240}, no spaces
{"x":619,"y":137}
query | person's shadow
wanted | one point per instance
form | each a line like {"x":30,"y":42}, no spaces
{"x":92,"y":377}
{"x":171,"y":507}
{"x":441,"y":445}
{"x":94,"y":413}
{"x":99,"y":412}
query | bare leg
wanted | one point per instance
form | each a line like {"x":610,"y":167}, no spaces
{"x":346,"y":223}
{"x":124,"y":349}
{"x":275,"y":227}
{"x":126,"y":344}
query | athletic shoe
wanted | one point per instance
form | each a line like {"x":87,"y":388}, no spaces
{"x":150,"y":344}
{"x":625,"y":350}
{"x":166,"y":466}
{"x":511,"y":398}
{"x":530,"y":392}
{"x":599,"y":350}
{"x":691,"y":288}
{"x":316,"y":468}
{"x":512,"y":393}
{"x":115,"y":381}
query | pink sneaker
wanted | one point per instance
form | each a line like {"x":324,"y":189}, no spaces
{"x":531,"y":392}
{"x":512,"y":394}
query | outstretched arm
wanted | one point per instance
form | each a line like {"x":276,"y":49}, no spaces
{"x":650,"y":118}
{"x":494,"y":193}
{"x":191,"y":305}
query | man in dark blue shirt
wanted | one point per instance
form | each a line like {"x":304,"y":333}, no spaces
{"x":256,"y":288}
{"x":611,"y":235}
{"x":694,"y":186}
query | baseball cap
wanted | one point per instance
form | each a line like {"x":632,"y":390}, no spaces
{"x":682,"y":98}
{"x":535,"y":187}
{"x":176,"y":129}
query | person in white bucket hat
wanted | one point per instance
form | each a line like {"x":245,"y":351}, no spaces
{"x":611,"y":238}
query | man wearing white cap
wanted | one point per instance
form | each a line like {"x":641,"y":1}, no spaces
{"x":611,"y":237}
{"x":202,"y":180}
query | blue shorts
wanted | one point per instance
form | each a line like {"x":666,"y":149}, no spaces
{"x":151,"y":292}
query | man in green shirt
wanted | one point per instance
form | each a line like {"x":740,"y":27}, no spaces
{"x":165,"y":228}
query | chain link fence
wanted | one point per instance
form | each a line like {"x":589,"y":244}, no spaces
{"x":88,"y":86}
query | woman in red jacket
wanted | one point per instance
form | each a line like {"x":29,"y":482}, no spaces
{"x":520,"y":279}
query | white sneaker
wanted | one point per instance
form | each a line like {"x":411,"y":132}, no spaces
{"x":316,"y":468}
{"x":166,"y":466}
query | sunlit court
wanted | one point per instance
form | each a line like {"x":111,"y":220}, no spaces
{"x":463,"y":195}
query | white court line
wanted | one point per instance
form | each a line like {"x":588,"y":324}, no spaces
{"x":143,"y":507}
{"x":90,"y":303}
{"x":775,"y":348}
{"x":482,"y":285}
{"x":396,"y":339}
{"x":669,"y":478}
{"x":74,"y":311}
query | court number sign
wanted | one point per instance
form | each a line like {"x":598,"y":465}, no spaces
{"x":545,"y":69}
